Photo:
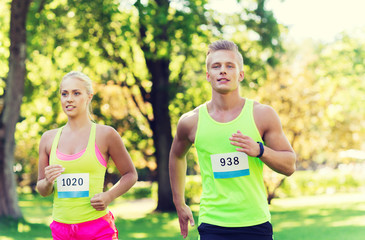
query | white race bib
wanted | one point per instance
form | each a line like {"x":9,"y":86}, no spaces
{"x":73,"y":185}
{"x":230,"y":165}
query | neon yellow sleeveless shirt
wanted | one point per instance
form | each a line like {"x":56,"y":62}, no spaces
{"x":233,"y":194}
{"x":82,"y":179}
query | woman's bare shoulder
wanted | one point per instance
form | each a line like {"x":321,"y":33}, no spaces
{"x":105,"y":131}
{"x":49,"y":135}
{"x":47,"y":139}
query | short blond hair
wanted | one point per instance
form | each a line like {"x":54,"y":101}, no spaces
{"x":224,"y":45}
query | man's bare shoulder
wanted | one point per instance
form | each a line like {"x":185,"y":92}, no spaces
{"x":265,"y":116}
{"x":187,"y":125}
{"x":190,"y":115}
{"x":262,"y":109}
{"x":190,"y":118}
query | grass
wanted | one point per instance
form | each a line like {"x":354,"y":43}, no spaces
{"x":136,"y":220}
{"x":37,"y":216}
{"x":335,"y":217}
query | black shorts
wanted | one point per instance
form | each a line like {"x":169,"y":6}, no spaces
{"x":257,"y":232}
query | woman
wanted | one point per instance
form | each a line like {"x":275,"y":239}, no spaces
{"x":72,"y":164}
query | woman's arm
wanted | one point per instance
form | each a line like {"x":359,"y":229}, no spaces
{"x":120,"y":156}
{"x":47,"y":174}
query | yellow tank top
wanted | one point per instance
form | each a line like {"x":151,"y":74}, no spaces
{"x":82,"y":179}
{"x":233,"y":194}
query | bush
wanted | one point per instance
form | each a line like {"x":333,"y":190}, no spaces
{"x":323,"y":181}
{"x":193,"y":189}
{"x":301,"y":183}
{"x":139,"y":190}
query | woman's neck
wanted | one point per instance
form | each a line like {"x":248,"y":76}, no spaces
{"x":78,"y":123}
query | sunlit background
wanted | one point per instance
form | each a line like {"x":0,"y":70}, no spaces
{"x":320,"y":20}
{"x":310,"y":67}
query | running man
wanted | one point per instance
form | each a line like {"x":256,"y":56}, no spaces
{"x":234,"y":137}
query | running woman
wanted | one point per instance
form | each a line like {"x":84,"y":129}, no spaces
{"x":72,"y":165}
{"x":234,"y":137}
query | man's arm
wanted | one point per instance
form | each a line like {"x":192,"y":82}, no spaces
{"x":177,"y":167}
{"x":278,"y":154}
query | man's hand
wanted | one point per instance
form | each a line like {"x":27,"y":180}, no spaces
{"x":245,"y":144}
{"x":185,"y":216}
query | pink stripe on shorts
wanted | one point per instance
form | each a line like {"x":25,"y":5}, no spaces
{"x":99,"y":229}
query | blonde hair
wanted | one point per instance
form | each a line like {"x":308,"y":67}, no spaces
{"x":87,"y":83}
{"x":224,"y":45}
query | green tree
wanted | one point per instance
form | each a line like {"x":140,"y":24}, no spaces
{"x":10,"y":110}
{"x":147,"y":59}
{"x":165,"y":34}
{"x":340,"y":72}
{"x":318,"y":92}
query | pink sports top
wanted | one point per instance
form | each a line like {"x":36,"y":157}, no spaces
{"x":67,"y":157}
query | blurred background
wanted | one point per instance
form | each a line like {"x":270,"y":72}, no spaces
{"x":147,"y":61}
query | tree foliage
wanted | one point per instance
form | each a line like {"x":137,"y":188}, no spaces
{"x":10,"y":110}
{"x":147,"y":61}
{"x":318,"y":92}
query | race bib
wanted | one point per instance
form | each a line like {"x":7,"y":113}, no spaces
{"x":230,"y":165}
{"x":73,"y":185}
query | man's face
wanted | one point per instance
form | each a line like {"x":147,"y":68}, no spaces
{"x":223,"y":71}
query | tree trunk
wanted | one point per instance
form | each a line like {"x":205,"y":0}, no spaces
{"x":161,"y":127}
{"x":10,"y":114}
{"x":271,"y":195}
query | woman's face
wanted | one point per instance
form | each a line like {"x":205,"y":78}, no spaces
{"x":74,"y":97}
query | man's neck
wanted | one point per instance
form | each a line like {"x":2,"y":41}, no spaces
{"x":225,"y":108}
{"x":226,"y":102}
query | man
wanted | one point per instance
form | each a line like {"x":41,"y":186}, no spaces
{"x":234,"y":138}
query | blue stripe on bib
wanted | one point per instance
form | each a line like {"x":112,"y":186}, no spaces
{"x":232,"y":174}
{"x":73,"y":194}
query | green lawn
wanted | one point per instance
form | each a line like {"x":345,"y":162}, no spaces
{"x":335,"y":217}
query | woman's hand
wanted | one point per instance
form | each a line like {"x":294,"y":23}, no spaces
{"x":52,"y":172}
{"x":100,"y":201}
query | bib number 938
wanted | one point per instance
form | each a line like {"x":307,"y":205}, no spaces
{"x":230,"y":165}
{"x":229,"y":161}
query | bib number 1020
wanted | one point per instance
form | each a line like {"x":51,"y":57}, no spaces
{"x":72,"y":182}
{"x":229,"y":161}
{"x":73,"y":185}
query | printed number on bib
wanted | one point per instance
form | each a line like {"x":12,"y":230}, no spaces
{"x":230,"y":165}
{"x":73,"y":185}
